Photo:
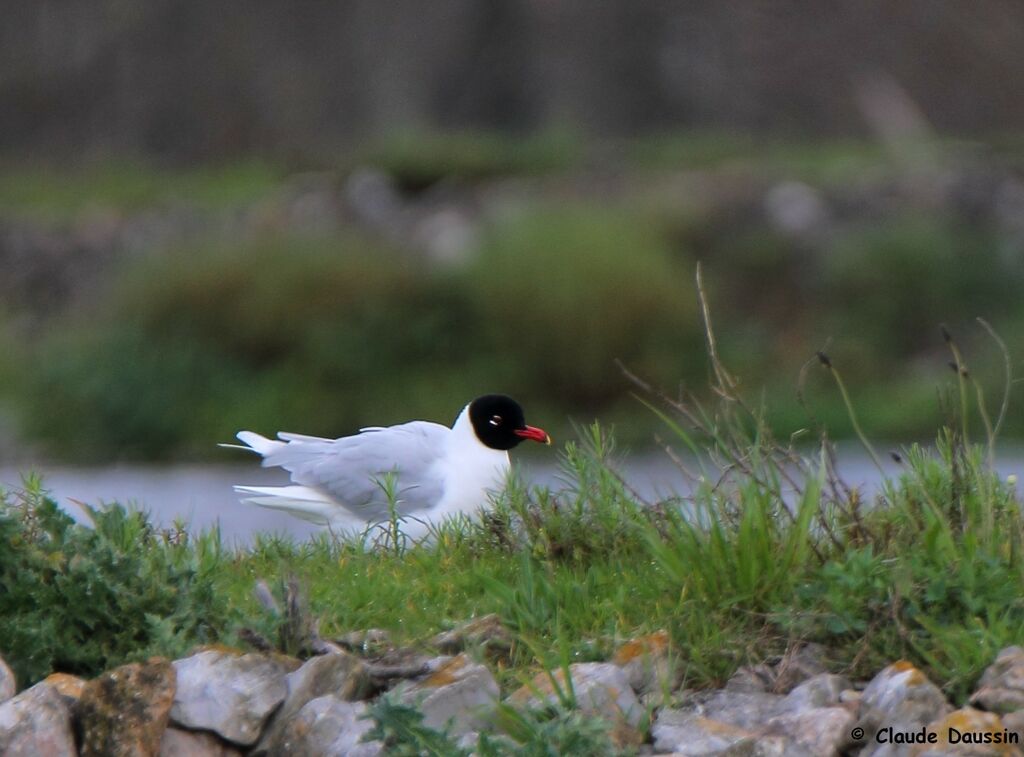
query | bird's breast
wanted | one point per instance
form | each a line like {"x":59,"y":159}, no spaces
{"x":469,"y":478}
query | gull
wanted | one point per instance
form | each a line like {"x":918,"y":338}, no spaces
{"x":418,"y":472}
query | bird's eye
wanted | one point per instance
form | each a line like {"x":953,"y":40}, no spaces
{"x":495,"y":420}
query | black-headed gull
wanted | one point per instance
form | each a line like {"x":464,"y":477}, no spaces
{"x":426,"y":470}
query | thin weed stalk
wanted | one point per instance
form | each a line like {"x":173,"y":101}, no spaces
{"x":826,"y":361}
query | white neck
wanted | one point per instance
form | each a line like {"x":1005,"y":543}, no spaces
{"x":473,"y":469}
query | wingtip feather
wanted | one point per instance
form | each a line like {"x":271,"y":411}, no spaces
{"x":258,"y":443}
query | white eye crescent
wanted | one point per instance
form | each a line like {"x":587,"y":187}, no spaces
{"x":495,"y":420}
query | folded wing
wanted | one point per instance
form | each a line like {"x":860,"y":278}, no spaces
{"x":352,"y":472}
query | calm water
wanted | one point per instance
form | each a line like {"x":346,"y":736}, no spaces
{"x":202,"y":495}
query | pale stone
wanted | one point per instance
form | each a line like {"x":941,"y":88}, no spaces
{"x":179,"y":743}
{"x":796,"y":666}
{"x":229,"y":693}
{"x":458,"y":695}
{"x":8,"y":684}
{"x":688,"y":734}
{"x":329,"y":727}
{"x":1014,"y":721}
{"x":799,"y":664}
{"x":822,"y":690}
{"x":486,"y":632}
{"x":971,"y":723}
{"x":743,"y":709}
{"x":646,"y":662}
{"x":755,"y":679}
{"x":342,"y":675}
{"x":822,"y":731}
{"x":900,"y":697}
{"x":1001,"y":688}
{"x":68,"y":686}
{"x":600,"y":689}
{"x":36,"y":722}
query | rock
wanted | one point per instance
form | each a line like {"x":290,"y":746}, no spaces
{"x":1014,"y":722}
{"x":8,"y":685}
{"x":36,"y":722}
{"x":403,"y":664}
{"x":795,"y":208}
{"x":329,"y":727}
{"x":645,"y":661}
{"x":902,"y":698}
{"x":68,"y":686}
{"x":823,"y":690}
{"x":851,"y":699}
{"x":448,"y":235}
{"x":230,"y":693}
{"x":687,"y":733}
{"x":179,"y":743}
{"x":486,"y":632}
{"x":341,"y":675}
{"x":971,"y":724}
{"x":797,"y":665}
{"x":601,"y":689}
{"x":742,"y":709}
{"x":124,"y":712}
{"x":372,"y":641}
{"x":1001,"y":688}
{"x":374,"y":197}
{"x":822,"y":731}
{"x":752,"y":679}
{"x":468,"y":741}
{"x":809,"y":720}
{"x":455,"y":695}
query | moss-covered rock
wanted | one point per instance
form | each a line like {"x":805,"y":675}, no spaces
{"x":123,"y":713}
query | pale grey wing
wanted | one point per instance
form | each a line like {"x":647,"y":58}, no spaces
{"x":353,"y":470}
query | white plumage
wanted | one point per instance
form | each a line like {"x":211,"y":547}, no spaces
{"x":431,"y":471}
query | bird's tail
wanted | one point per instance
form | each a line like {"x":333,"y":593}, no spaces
{"x":253,"y":442}
{"x":300,"y":501}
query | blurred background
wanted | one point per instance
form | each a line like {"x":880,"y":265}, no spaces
{"x":312,"y":216}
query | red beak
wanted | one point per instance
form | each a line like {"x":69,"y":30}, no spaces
{"x":534,"y":433}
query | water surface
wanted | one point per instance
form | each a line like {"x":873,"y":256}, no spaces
{"x":202,"y":494}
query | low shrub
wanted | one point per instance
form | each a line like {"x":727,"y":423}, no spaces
{"x":81,"y":600}
{"x":561,"y":295}
{"x":418,"y":160}
{"x":311,"y":334}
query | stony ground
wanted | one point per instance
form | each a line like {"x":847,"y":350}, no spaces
{"x":220,"y":701}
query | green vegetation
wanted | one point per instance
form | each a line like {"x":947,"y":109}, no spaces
{"x":317,"y":329}
{"x":521,"y":734}
{"x":768,"y":549}
{"x":419,"y":160}
{"x":309,"y":334}
{"x":61,"y":193}
{"x":80,"y":600}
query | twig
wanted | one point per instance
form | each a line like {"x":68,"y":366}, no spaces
{"x":724,"y":379}
{"x":961,"y":376}
{"x":1008,"y":369}
{"x":827,"y":362}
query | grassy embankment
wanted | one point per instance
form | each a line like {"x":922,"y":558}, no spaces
{"x":280,"y":327}
{"x":931,"y":570}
